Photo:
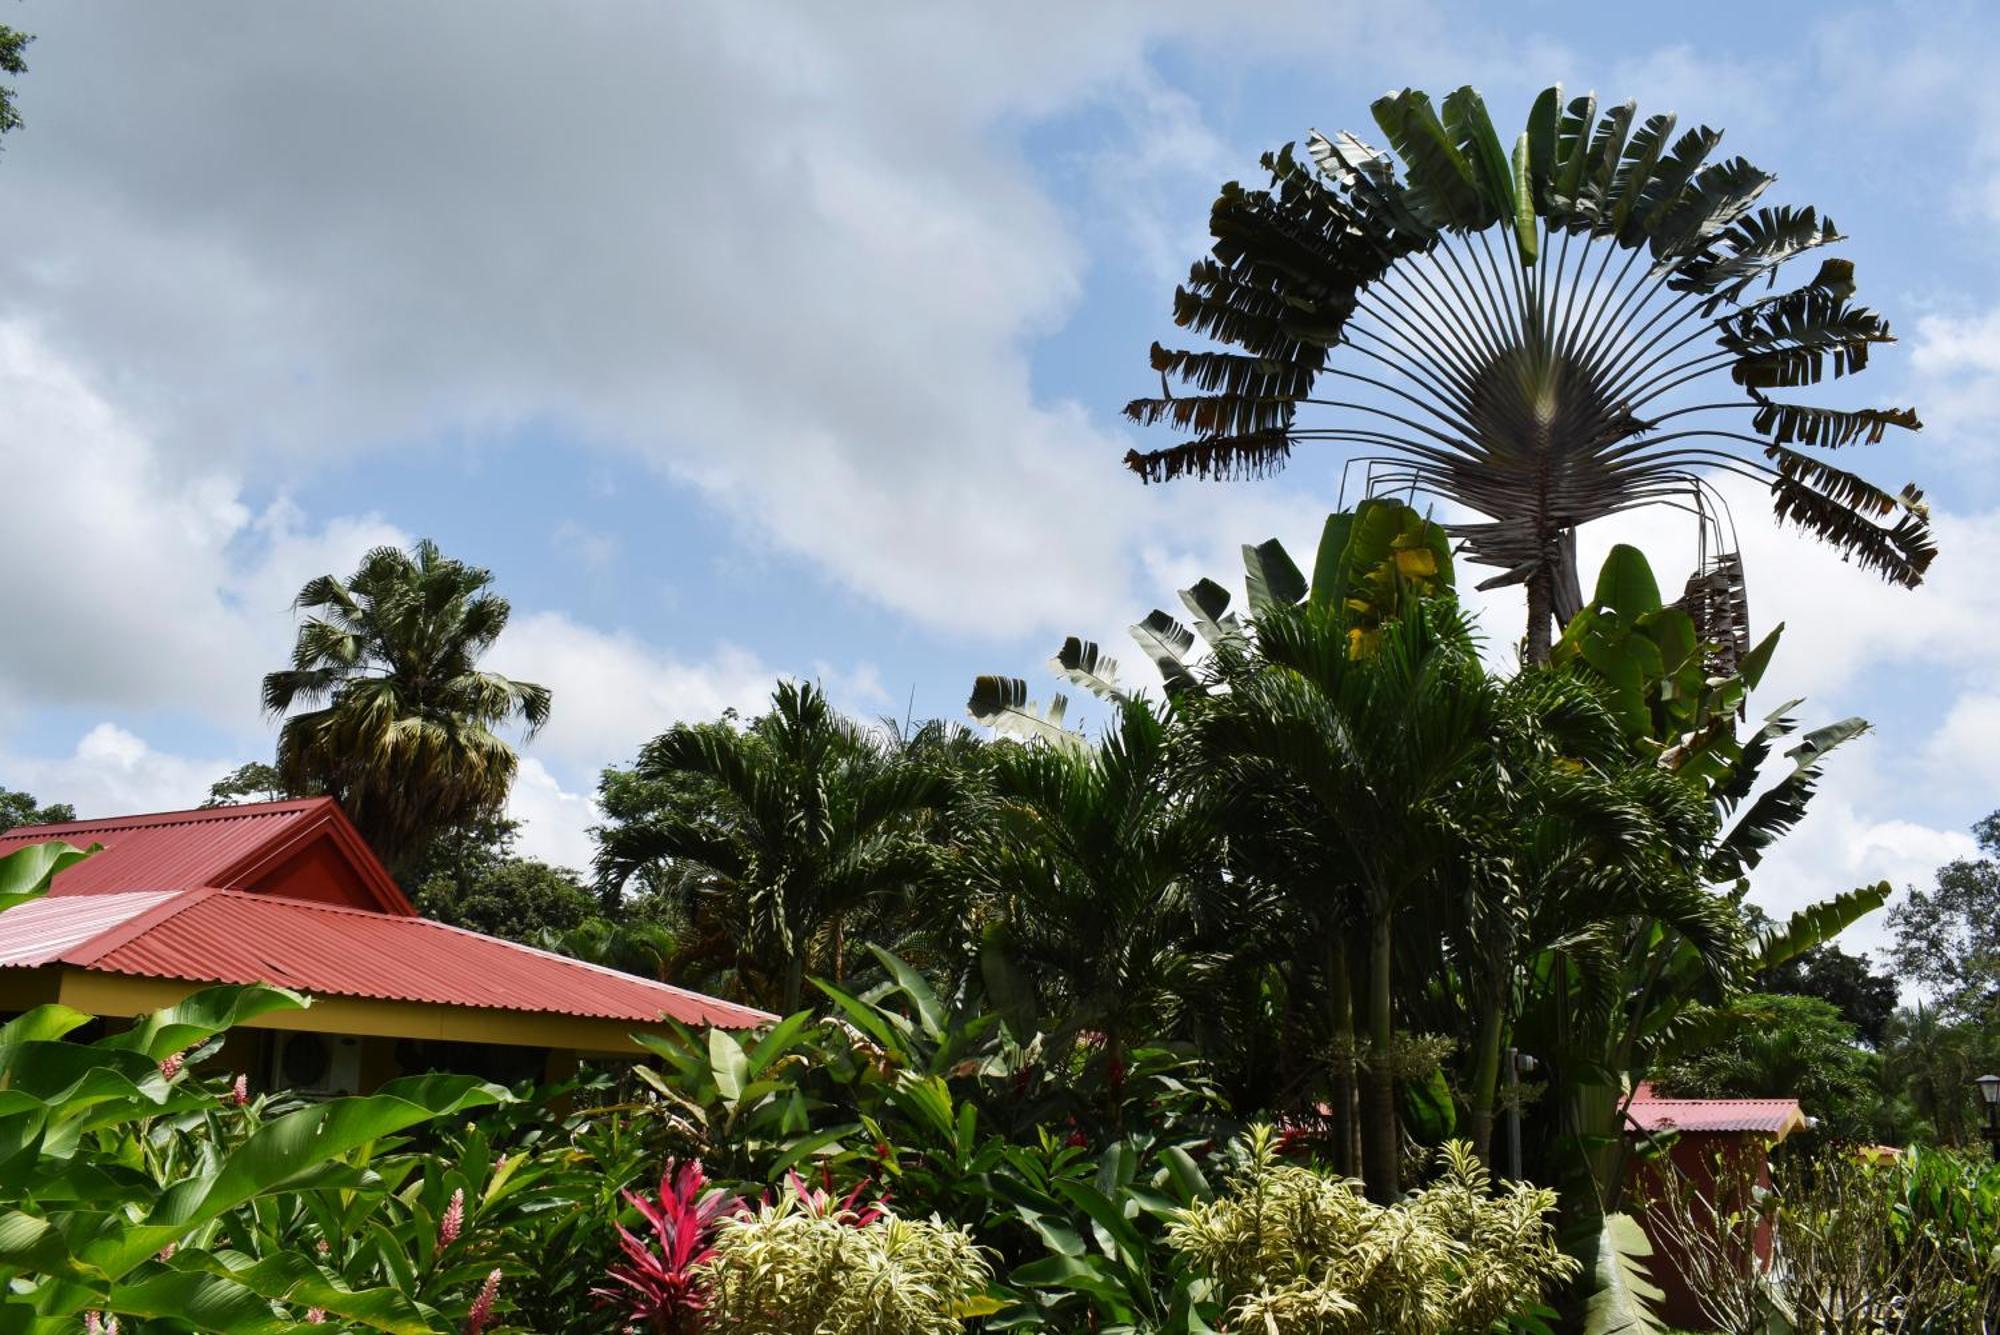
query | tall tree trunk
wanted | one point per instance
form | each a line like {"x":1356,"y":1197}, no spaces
{"x":1381,"y":1128}
{"x":1486,"y":1077}
{"x":1541,"y":613}
{"x":1340,"y":999}
{"x":795,"y":980}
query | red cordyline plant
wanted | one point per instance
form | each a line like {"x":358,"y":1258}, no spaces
{"x":657,"y":1279}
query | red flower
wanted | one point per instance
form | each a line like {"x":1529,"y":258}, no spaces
{"x":482,"y":1306}
{"x":170,"y":1065}
{"x":659,"y":1286}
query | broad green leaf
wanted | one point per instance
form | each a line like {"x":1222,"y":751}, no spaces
{"x":1625,"y":1299}
{"x":728,"y":1064}
{"x":26,"y":872}
{"x":1271,"y":577}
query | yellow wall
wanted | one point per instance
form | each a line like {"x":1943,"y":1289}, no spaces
{"x":118,"y":994}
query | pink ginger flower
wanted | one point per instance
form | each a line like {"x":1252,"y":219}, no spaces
{"x":482,"y":1306}
{"x":170,"y":1065}
{"x":452,"y":1223}
{"x":315,"y":1316}
{"x":323,"y":1246}
{"x":167,"y":1252}
{"x":239,"y":1093}
{"x":92,"y":1325}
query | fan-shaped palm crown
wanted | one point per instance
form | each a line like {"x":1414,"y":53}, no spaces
{"x":1530,"y":335}
{"x":402,"y":732}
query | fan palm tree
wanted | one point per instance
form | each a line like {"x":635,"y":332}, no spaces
{"x":1543,"y":338}
{"x":399,"y":721}
{"x":1098,"y":862}
{"x":808,"y":825}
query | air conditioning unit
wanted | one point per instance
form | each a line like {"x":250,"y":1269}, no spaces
{"x":327,"y":1065}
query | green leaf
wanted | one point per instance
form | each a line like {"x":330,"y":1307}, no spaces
{"x":42,"y":1024}
{"x":202,"y":1015}
{"x":26,"y":872}
{"x":281,"y":1152}
{"x":1625,"y":1300}
{"x":1626,"y":585}
{"x":1527,"y":240}
{"x":930,"y":1011}
{"x":1819,"y":923}
{"x":728,"y":1064}
{"x":1271,"y":576}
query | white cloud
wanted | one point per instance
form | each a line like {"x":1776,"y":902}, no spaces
{"x":613,"y":691}
{"x":556,"y":822}
{"x":114,"y":772}
{"x":791,"y":257}
{"x":137,"y":583}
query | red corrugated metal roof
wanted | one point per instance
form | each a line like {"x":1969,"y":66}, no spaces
{"x":212,"y":846}
{"x":44,"y":930}
{"x":1651,"y":1112}
{"x":225,"y":936}
{"x":170,"y":850}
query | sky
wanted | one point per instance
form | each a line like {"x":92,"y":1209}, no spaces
{"x":750,"y":339}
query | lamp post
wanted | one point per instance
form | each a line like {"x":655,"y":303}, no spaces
{"x":1989,"y":1094}
{"x":1519,"y":1064}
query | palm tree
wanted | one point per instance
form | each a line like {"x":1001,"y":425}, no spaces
{"x":806,"y":825}
{"x":1383,"y":744}
{"x":1573,"y":836}
{"x":1098,"y":862}
{"x":399,"y":720}
{"x":1544,"y":339}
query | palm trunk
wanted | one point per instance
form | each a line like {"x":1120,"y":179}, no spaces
{"x":1340,"y":999}
{"x":1485,"y":1079}
{"x":1541,"y":613}
{"x":1381,"y":1128}
{"x":795,"y":980}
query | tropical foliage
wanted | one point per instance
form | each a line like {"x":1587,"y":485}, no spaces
{"x":1209,"y":1018}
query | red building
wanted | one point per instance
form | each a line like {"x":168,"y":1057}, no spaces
{"x":288,"y":893}
{"x":1709,"y":1131}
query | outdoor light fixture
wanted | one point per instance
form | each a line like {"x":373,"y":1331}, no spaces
{"x":1989,"y":1094}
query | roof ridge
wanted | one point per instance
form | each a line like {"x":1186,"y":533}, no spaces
{"x":153,"y":819}
{"x":88,"y":952}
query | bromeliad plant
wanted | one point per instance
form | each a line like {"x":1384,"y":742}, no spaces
{"x":1545,"y":337}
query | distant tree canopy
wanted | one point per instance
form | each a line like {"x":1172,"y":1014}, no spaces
{"x":18,"y":808}
{"x":1948,"y":937}
{"x":1769,"y":1045}
{"x":1864,"y":998}
{"x":12,"y":44}
{"x":254,"y":781}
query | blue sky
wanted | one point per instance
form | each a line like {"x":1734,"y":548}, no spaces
{"x":757,"y":339}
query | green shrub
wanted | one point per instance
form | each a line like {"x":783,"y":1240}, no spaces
{"x":1292,"y":1250}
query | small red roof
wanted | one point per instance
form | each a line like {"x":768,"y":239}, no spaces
{"x":1651,"y":1112}
{"x":233,"y":847}
{"x":228,"y":936}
